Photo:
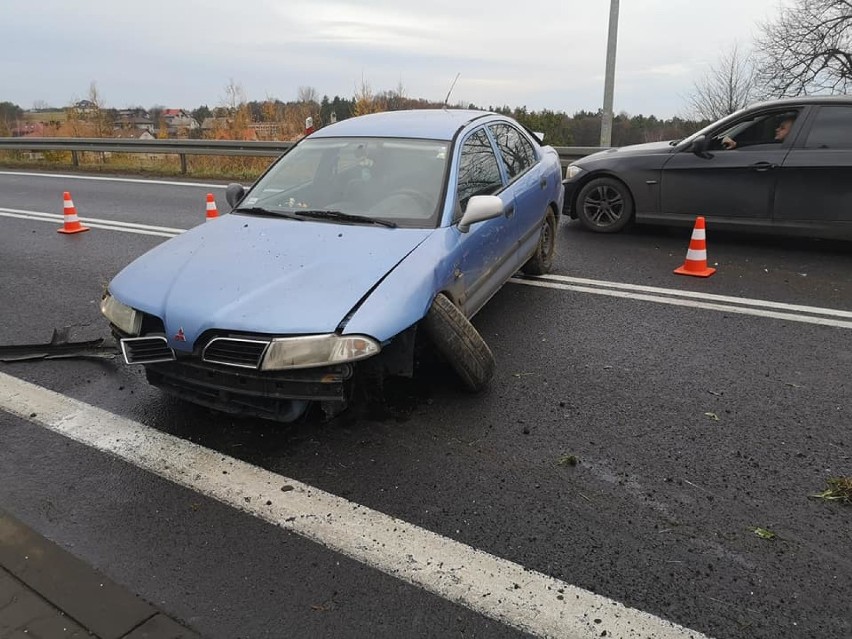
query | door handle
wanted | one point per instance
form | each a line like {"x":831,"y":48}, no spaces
{"x":764,"y":166}
{"x":510,"y":211}
{"x":543,"y":183}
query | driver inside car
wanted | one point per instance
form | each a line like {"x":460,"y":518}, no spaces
{"x":781,"y":132}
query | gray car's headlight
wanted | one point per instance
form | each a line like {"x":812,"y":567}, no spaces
{"x":572,"y":171}
{"x":127,"y":319}
{"x":317,"y":350}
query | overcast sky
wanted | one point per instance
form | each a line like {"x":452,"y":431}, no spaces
{"x":542,"y":54}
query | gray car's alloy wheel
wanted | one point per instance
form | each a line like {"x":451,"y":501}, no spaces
{"x":542,"y":260}
{"x":459,"y":343}
{"x":605,"y":205}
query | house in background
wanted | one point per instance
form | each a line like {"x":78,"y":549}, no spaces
{"x":179,"y":122}
{"x":134,"y":134}
{"x":134,"y":119}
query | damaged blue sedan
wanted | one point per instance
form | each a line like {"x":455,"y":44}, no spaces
{"x":369,"y":241}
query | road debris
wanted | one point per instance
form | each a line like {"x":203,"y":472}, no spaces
{"x":839,"y":489}
{"x":764,"y":533}
{"x":59,"y":347}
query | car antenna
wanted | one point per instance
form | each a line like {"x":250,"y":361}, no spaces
{"x":447,"y":99}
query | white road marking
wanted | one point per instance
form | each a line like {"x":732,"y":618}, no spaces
{"x":696,"y":295}
{"x":92,"y":222}
{"x":674,"y":301}
{"x":524,"y":599}
{"x":99,"y":178}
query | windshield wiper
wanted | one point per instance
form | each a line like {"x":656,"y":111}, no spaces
{"x":259,"y":210}
{"x":322,"y":214}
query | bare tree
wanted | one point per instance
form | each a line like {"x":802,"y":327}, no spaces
{"x":728,"y":86}
{"x":97,"y":114}
{"x":308,"y":95}
{"x":807,"y":49}
{"x":235,"y":97}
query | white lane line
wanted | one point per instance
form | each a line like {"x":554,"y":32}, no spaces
{"x":696,"y":295}
{"x":60,"y":217}
{"x":742,"y":310}
{"x":524,"y":599}
{"x":114,"y":179}
{"x":112,"y":224}
{"x":137,"y":231}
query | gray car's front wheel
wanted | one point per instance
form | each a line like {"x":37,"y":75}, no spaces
{"x":459,"y":343}
{"x":605,"y":205}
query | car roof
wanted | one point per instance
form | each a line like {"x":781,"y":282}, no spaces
{"x":427,"y":124}
{"x":802,"y":100}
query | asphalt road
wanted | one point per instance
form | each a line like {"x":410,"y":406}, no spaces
{"x":691,"y":426}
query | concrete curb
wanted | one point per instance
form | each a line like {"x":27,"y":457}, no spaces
{"x":42,"y":581}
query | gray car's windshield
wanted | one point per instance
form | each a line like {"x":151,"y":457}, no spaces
{"x":394,"y":180}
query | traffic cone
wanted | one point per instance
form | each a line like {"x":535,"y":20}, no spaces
{"x":212,"y":211}
{"x":69,"y":213}
{"x":696,"y":257}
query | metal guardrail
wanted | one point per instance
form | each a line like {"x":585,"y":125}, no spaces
{"x":182,"y":148}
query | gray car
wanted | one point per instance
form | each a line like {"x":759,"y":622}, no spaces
{"x":783,"y":166}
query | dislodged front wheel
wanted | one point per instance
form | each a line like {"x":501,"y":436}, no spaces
{"x":605,"y":205}
{"x":459,"y":343}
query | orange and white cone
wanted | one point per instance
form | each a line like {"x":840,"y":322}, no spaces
{"x":696,"y":257}
{"x":69,"y":213}
{"x":212,"y":211}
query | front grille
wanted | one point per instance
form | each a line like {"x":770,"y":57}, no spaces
{"x":146,"y":350}
{"x":231,"y":351}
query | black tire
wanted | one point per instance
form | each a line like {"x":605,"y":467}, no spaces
{"x":542,"y":260}
{"x":605,"y":205}
{"x":459,"y":343}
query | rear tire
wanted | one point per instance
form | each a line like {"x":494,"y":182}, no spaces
{"x":605,"y":205}
{"x":542,"y":260}
{"x":459,"y":343}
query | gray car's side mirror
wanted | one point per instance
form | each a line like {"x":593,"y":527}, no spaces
{"x":234,"y":193}
{"x":480,"y":208}
{"x":699,"y":146}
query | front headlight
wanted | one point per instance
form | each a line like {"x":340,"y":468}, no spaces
{"x":128,"y":320}
{"x":572,"y":171}
{"x":317,"y":350}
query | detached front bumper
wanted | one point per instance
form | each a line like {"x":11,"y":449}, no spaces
{"x":224,"y":373}
{"x":280,"y":396}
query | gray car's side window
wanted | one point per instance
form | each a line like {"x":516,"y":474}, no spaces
{"x":517,"y":152}
{"x":479,"y":172}
{"x":768,"y":127}
{"x":832,"y":129}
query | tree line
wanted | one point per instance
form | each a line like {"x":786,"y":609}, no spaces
{"x":805,"y":49}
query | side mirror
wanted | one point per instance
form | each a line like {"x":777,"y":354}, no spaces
{"x":480,"y":208}
{"x":234,"y":193}
{"x":699,"y":146}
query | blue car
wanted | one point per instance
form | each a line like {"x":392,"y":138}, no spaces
{"x":369,"y":241}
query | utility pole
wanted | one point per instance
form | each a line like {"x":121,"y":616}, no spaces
{"x":609,"y":81}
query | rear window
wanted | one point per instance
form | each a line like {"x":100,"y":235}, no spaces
{"x":832,"y":128}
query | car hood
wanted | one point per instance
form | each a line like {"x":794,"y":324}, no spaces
{"x":261,"y":275}
{"x":648,"y":148}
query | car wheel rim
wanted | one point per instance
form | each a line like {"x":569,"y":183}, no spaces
{"x":604,"y":206}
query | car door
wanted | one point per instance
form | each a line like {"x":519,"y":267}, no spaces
{"x":527,"y":181}
{"x":484,"y":256}
{"x":816,"y":176}
{"x":736,"y":183}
